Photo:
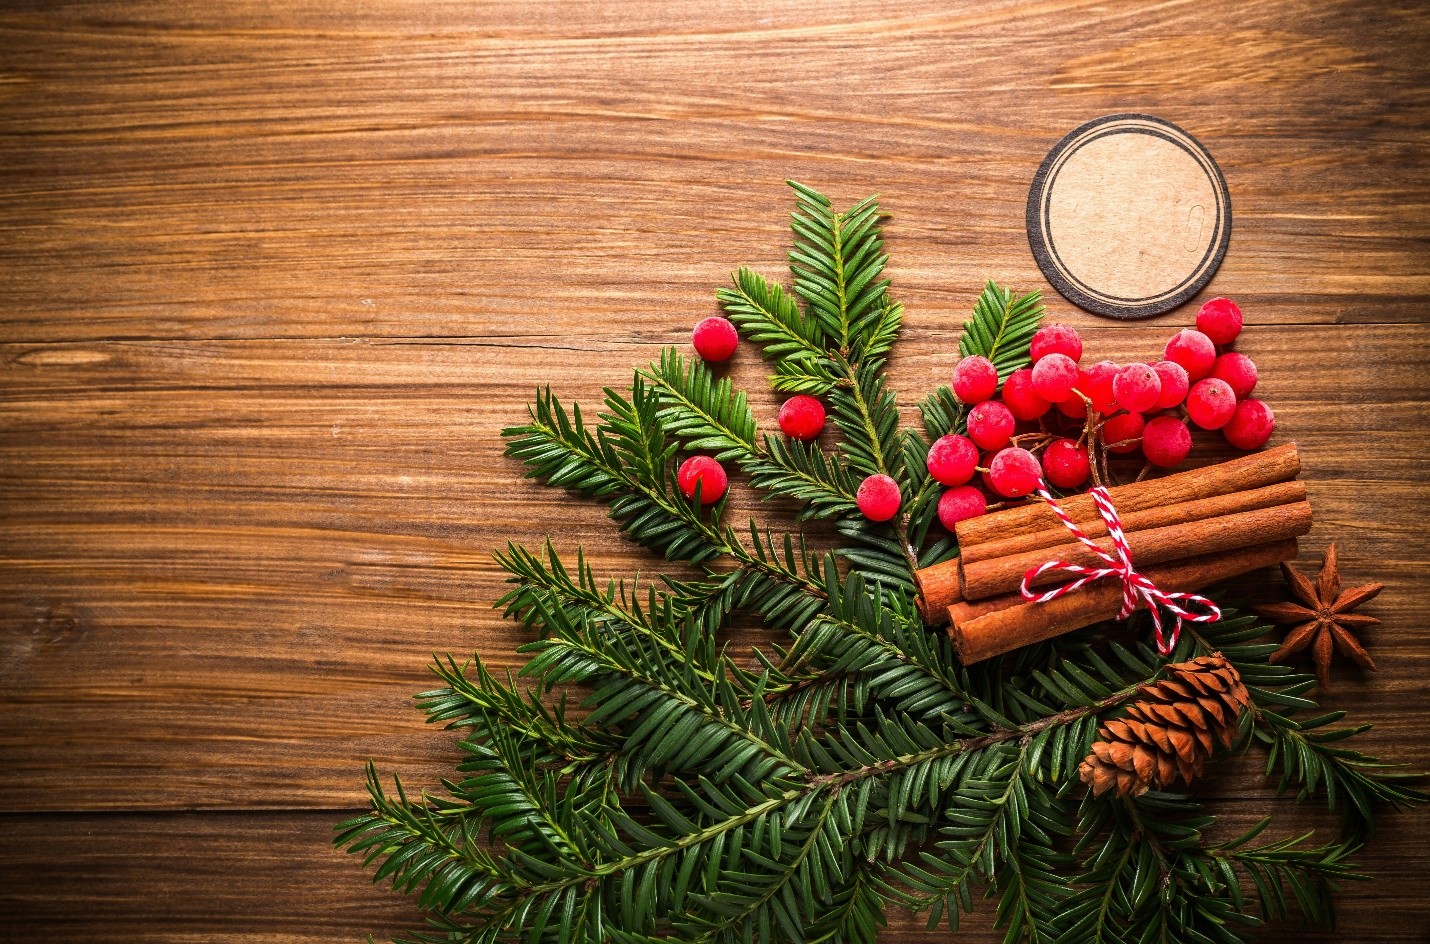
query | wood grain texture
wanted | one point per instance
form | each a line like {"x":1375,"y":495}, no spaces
{"x":273,"y":277}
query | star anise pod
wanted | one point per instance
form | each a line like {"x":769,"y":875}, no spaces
{"x":1326,"y":622}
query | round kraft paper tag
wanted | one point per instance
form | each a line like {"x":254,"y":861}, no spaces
{"x":1129,"y":216}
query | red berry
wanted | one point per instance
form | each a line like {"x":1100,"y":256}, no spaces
{"x":952,"y":459}
{"x":1014,"y":472}
{"x":1055,"y":339}
{"x":1122,"y":432}
{"x":1251,"y":425}
{"x":1166,"y":441}
{"x":1066,"y":464}
{"x":1054,"y":377}
{"x":1019,"y":396}
{"x":1239,"y":371}
{"x":1194,"y":351}
{"x":705,"y":472}
{"x":878,"y":498}
{"x":715,"y":339}
{"x":975,"y":379}
{"x":1074,"y":406}
{"x":960,"y":504}
{"x":802,"y":417}
{"x":1097,"y":384}
{"x":1174,"y":384}
{"x":1137,"y":388}
{"x":1211,"y":403}
{"x":1220,"y":320}
{"x":990,"y":424}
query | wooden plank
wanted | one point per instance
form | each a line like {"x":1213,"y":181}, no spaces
{"x":223,"y":565}
{"x":183,"y":172}
{"x":272,"y":878}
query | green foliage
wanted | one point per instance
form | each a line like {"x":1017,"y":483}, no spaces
{"x":635,"y":782}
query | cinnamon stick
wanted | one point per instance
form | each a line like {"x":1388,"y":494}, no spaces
{"x":1152,"y":546}
{"x":981,"y":633}
{"x":1281,"y":493}
{"x":938,"y":589}
{"x":1252,"y":471}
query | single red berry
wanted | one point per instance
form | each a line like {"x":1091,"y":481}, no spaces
{"x":1251,"y":425}
{"x":1166,"y":441}
{"x":1098,"y":385}
{"x":878,"y":498}
{"x":1066,"y":464}
{"x":1123,"y":432}
{"x":1055,"y":339}
{"x":1211,"y":403}
{"x":959,"y":504}
{"x":990,"y":424}
{"x":952,"y":459}
{"x":975,"y":379}
{"x":1194,"y":351}
{"x":1019,"y":396}
{"x":1220,"y":320}
{"x":802,"y":417}
{"x":1175,"y":384}
{"x":1137,"y":388}
{"x":1074,"y":406}
{"x":705,"y":472}
{"x":1239,"y":371}
{"x":1054,"y":377}
{"x":715,"y":339}
{"x":1014,"y":472}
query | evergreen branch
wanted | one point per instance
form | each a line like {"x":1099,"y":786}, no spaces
{"x":766,"y":315}
{"x":836,"y":262}
{"x":707,"y":414}
{"x":624,"y":462}
{"x":1001,"y":327}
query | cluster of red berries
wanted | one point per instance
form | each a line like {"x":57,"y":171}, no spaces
{"x":1211,"y":387}
{"x":1197,"y":377}
{"x":801,"y":417}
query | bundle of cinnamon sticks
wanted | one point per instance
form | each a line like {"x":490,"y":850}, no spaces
{"x":1186,"y":531}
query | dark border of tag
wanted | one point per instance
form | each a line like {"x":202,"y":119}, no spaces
{"x":1045,"y":252}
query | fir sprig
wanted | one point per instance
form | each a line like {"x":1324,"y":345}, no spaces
{"x":638,"y":783}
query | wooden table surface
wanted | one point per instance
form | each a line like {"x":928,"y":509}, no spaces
{"x":273,"y":276}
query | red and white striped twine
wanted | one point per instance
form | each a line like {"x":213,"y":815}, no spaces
{"x":1135,"y":587}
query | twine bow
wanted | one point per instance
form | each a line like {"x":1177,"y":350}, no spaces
{"x":1136,"y":588}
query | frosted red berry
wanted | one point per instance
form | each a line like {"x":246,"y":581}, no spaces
{"x":1055,"y":339}
{"x":1097,"y":384}
{"x":1220,"y":320}
{"x":802,"y":417}
{"x":990,"y":424}
{"x":1166,"y":441}
{"x":975,"y":379}
{"x":1137,"y":388}
{"x":878,"y":498}
{"x":715,"y":339}
{"x":1251,"y":425}
{"x":1194,"y":351}
{"x":1175,"y":384}
{"x":1122,"y":433}
{"x":1054,"y":377}
{"x":1239,"y":371}
{"x":1211,"y":403}
{"x":952,"y":459}
{"x":705,"y":472}
{"x":1014,"y":472}
{"x":1019,"y":397}
{"x":1066,"y":464}
{"x":959,"y":504}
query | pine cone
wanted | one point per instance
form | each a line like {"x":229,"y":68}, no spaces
{"x":1170,"y":730}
